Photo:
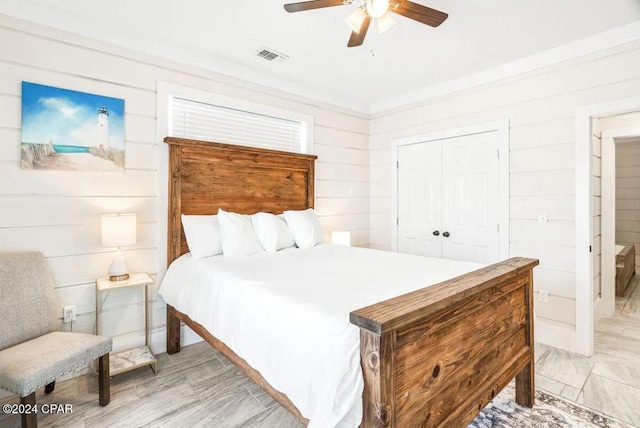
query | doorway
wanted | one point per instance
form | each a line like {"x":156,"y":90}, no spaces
{"x":450,"y":194}
{"x":588,"y":220}
{"x":619,"y":208}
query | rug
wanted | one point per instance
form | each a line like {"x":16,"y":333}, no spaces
{"x":550,"y":411}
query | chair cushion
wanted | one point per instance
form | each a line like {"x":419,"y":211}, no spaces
{"x":30,"y":365}
{"x":27,"y":299}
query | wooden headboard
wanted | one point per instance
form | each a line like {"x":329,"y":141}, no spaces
{"x":205,"y":176}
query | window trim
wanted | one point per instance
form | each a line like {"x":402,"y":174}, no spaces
{"x":167,"y":91}
{"x":164,"y":92}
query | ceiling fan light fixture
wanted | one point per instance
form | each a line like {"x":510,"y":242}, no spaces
{"x":377,"y":8}
{"x":385,"y":22}
{"x":356,"y":19}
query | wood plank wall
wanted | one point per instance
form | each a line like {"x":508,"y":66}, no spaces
{"x":627,"y":182}
{"x":597,"y":209}
{"x":58,"y":212}
{"x":541,"y":106}
{"x":628,"y":196}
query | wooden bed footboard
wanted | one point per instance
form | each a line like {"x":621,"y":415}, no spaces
{"x":437,"y":356}
{"x":434,"y":357}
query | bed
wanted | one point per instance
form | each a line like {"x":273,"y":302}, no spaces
{"x":625,"y":267}
{"x":429,"y":355}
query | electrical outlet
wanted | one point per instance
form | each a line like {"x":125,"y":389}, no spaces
{"x":69,"y":314}
{"x":543,"y":296}
{"x":543,"y":218}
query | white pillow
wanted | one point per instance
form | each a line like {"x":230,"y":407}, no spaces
{"x":238,"y":235}
{"x":305,"y":228}
{"x":203,"y":235}
{"x":272,"y":232}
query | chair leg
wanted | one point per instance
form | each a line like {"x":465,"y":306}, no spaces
{"x":50,"y":387}
{"x":104,"y":383}
{"x":29,"y":420}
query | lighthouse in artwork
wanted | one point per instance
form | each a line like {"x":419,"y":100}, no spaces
{"x":103,"y":128}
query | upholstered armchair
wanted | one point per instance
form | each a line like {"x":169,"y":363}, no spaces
{"x":33,"y":353}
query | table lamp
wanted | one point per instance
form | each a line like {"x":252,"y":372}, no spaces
{"x":118,"y":230}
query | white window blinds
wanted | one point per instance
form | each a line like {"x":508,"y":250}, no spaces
{"x":208,"y":122}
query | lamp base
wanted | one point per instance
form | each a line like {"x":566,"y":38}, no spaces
{"x":118,"y":271}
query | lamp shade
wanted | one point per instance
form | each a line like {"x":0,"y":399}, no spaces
{"x":118,"y":230}
{"x":385,"y":22}
{"x":356,"y":19}
{"x":341,"y":237}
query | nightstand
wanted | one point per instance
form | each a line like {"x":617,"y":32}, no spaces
{"x":133,"y":358}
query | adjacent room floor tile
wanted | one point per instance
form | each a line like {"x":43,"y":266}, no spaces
{"x":549,"y":385}
{"x":615,"y":368}
{"x":570,"y":393}
{"x":609,"y":380}
{"x":564,"y":367}
{"x":612,"y":398}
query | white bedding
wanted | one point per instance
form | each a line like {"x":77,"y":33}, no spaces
{"x":287,"y":314}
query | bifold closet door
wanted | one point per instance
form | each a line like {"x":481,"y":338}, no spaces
{"x":420,"y":198}
{"x":470,"y":198}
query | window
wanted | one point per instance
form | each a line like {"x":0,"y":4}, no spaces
{"x":222,"y":124}
{"x":174,"y":106}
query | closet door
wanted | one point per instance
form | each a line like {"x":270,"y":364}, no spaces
{"x":420,"y":199}
{"x":470,"y":198}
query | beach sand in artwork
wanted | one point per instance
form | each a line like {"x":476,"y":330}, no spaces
{"x":75,"y":162}
{"x":70,"y":130}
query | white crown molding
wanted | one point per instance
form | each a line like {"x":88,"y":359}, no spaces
{"x":63,"y":20}
{"x":33,"y":11}
{"x":608,"y":39}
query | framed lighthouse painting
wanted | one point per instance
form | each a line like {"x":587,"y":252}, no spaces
{"x":70,"y":130}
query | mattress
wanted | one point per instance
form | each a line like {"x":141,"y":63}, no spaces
{"x":287,"y":314}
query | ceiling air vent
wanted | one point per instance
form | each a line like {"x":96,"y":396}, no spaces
{"x":270,"y":54}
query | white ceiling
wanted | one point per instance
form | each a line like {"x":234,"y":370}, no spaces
{"x":224,"y":36}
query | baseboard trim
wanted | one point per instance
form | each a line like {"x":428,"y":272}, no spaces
{"x":556,"y":334}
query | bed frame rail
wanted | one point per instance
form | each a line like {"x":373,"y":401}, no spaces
{"x":174,"y":317}
{"x":437,"y":356}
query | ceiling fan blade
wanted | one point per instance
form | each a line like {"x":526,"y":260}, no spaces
{"x":310,"y":5}
{"x":357,"y":39}
{"x":417,"y":12}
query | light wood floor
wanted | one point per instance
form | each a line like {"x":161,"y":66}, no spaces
{"x":196,"y":387}
{"x":200,"y":387}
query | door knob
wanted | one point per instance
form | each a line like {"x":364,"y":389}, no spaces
{"x":445,"y":234}
{"x":436,"y":232}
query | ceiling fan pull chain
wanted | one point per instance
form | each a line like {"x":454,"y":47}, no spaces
{"x":373,"y":47}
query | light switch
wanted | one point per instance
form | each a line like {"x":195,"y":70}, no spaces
{"x":543,"y":219}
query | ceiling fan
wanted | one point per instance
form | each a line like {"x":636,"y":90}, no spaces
{"x":360,"y":19}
